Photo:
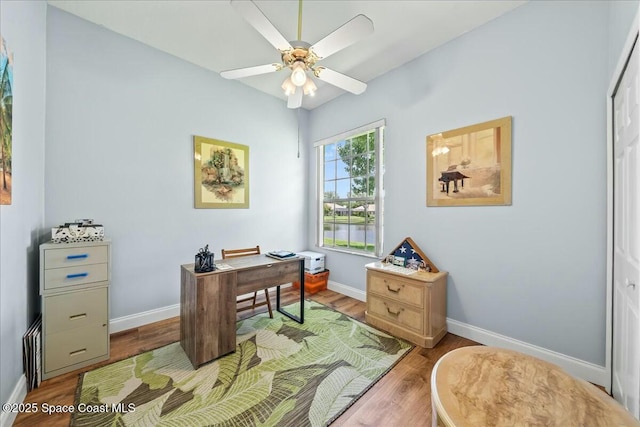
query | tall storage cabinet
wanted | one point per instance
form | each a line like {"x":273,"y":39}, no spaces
{"x":74,"y":286}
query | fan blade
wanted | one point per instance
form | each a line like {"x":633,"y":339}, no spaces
{"x":340,"y":80}
{"x":295,"y":99}
{"x":346,"y":35}
{"x":254,"y":16}
{"x":238,"y":73}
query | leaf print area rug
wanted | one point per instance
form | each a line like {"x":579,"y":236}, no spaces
{"x":281,"y":374}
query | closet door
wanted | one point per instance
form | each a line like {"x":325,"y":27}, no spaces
{"x":626,"y":239}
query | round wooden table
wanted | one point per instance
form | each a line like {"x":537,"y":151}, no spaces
{"x":488,"y":386}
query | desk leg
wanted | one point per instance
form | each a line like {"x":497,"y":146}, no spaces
{"x":289,"y":315}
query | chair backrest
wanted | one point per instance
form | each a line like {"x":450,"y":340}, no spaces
{"x":235,"y":253}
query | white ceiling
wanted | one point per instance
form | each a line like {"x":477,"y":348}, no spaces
{"x":212,"y":34}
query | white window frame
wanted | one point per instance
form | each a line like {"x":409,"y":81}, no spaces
{"x":378,"y":128}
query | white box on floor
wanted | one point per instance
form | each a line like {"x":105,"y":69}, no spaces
{"x":313,"y":261}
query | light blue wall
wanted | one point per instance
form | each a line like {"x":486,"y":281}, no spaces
{"x":120,"y":122}
{"x":621,"y":14}
{"x":533,"y":271}
{"x":22,"y":25}
{"x":120,"y":117}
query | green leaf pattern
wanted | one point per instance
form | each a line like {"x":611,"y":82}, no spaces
{"x":282,"y":373}
{"x":334,"y":393}
{"x":147,"y":414}
{"x":273,"y":346}
{"x":121,"y":381}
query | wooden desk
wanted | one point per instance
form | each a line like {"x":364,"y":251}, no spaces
{"x":488,"y":386}
{"x":208,"y":301}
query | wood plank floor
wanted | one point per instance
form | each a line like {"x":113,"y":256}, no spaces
{"x":400,"y":398}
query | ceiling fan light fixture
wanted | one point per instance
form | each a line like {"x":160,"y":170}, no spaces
{"x":288,"y":87}
{"x":309,"y":87}
{"x":299,"y":56}
{"x":299,"y":74}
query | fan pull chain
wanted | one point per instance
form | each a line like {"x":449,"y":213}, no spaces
{"x":298,"y":120}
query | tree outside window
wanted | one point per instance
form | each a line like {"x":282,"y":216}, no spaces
{"x":350,"y":214}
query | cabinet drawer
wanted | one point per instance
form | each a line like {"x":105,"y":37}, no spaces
{"x":76,"y":346}
{"x":396,"y":289}
{"x":65,"y":257}
{"x":75,"y":310}
{"x":79,"y":275}
{"x":258,"y":278}
{"x":396,"y":313}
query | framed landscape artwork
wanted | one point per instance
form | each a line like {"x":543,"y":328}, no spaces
{"x":221,"y":173}
{"x":470,"y":166}
{"x":6,"y":114}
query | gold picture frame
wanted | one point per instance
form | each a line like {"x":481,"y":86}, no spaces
{"x":221,"y":174}
{"x":470,"y":166}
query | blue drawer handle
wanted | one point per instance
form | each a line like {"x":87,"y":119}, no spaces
{"x":77,"y":256}
{"x":73,"y":276}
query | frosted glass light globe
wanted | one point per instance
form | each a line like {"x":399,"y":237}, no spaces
{"x":298,"y":75}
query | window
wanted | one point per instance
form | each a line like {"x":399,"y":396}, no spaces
{"x":350,"y":171}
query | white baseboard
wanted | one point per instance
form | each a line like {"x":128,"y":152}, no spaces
{"x":17,"y":396}
{"x":347,"y":290}
{"x":587,"y":371}
{"x":139,"y":319}
{"x":131,"y":321}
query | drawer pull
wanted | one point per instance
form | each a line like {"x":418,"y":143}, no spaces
{"x":394,"y":313}
{"x":77,"y":352}
{"x":78,"y":256}
{"x":269,"y":265}
{"x":395,"y":291}
{"x":77,"y":316}
{"x":75,"y":276}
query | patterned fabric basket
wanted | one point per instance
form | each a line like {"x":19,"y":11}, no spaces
{"x":77,"y":232}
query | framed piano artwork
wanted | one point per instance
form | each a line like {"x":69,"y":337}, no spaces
{"x":470,"y":166}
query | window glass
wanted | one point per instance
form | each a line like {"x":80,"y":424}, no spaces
{"x":351,"y":199}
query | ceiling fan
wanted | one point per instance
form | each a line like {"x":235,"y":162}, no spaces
{"x":301,"y":57}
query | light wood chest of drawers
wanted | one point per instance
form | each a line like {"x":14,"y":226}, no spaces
{"x":413,"y":307}
{"x":74,"y":285}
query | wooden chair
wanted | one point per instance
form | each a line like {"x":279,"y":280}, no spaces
{"x":236,"y":253}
